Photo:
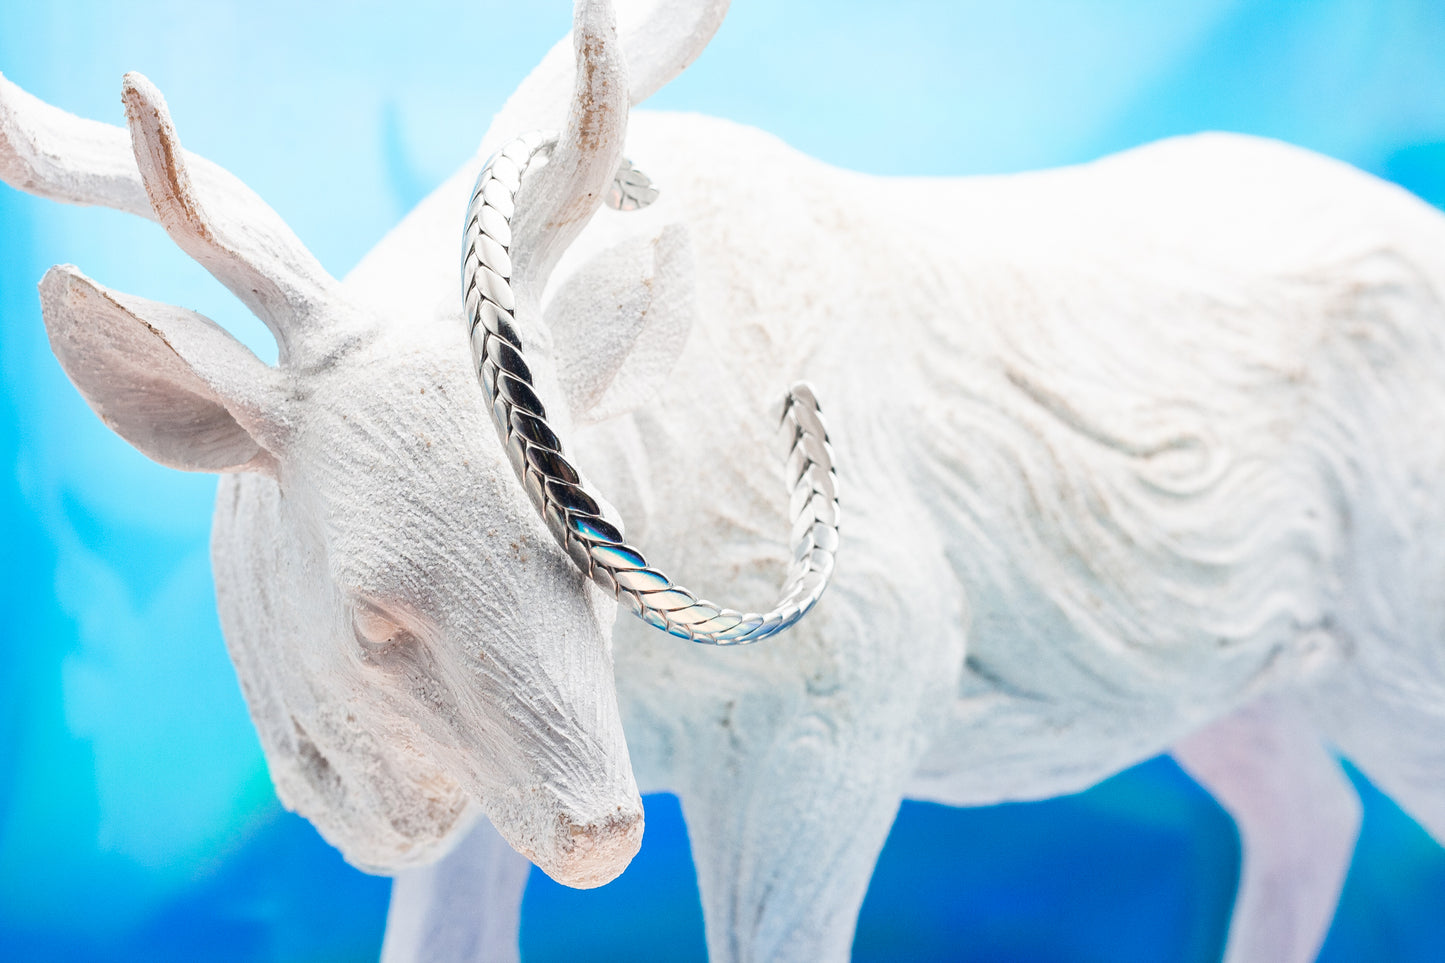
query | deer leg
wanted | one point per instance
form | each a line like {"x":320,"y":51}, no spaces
{"x":465,"y":908}
{"x":791,"y":763}
{"x":785,"y":832}
{"x":1298,"y":818}
{"x":1397,"y":738}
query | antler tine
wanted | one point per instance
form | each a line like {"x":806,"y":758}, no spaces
{"x":49,"y":153}
{"x":669,"y":38}
{"x":569,"y":188}
{"x":656,"y":47}
{"x":221,"y":223}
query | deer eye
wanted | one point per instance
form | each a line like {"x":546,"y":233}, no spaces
{"x":376,"y":633}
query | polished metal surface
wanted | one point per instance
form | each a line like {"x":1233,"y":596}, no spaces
{"x":572,"y":514}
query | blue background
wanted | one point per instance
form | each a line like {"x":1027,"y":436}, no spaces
{"x":136,"y":817}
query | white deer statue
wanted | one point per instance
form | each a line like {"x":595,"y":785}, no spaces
{"x":1139,"y":456}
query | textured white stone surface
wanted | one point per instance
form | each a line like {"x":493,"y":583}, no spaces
{"x":1137,"y":454}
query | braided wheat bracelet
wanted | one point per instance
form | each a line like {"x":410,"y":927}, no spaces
{"x":571,"y":513}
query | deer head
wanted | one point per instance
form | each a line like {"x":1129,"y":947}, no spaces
{"x":411,"y":642}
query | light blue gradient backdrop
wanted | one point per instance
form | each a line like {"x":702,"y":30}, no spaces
{"x":136,"y":817}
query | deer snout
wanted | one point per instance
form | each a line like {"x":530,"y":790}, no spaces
{"x":590,"y":849}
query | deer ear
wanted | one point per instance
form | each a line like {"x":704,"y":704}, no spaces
{"x":620,"y":321}
{"x":169,"y":381}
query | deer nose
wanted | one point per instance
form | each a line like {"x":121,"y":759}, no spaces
{"x":594,"y":848}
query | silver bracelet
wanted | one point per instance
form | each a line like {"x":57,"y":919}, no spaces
{"x":573,"y":515}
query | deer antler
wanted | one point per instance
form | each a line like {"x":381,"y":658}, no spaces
{"x":209,"y":213}
{"x":564,"y":193}
{"x":220,"y":222}
{"x":656,"y":48}
{"x":46,"y":152}
{"x":664,"y":42}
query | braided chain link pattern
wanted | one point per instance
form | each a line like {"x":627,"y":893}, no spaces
{"x":574,"y":517}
